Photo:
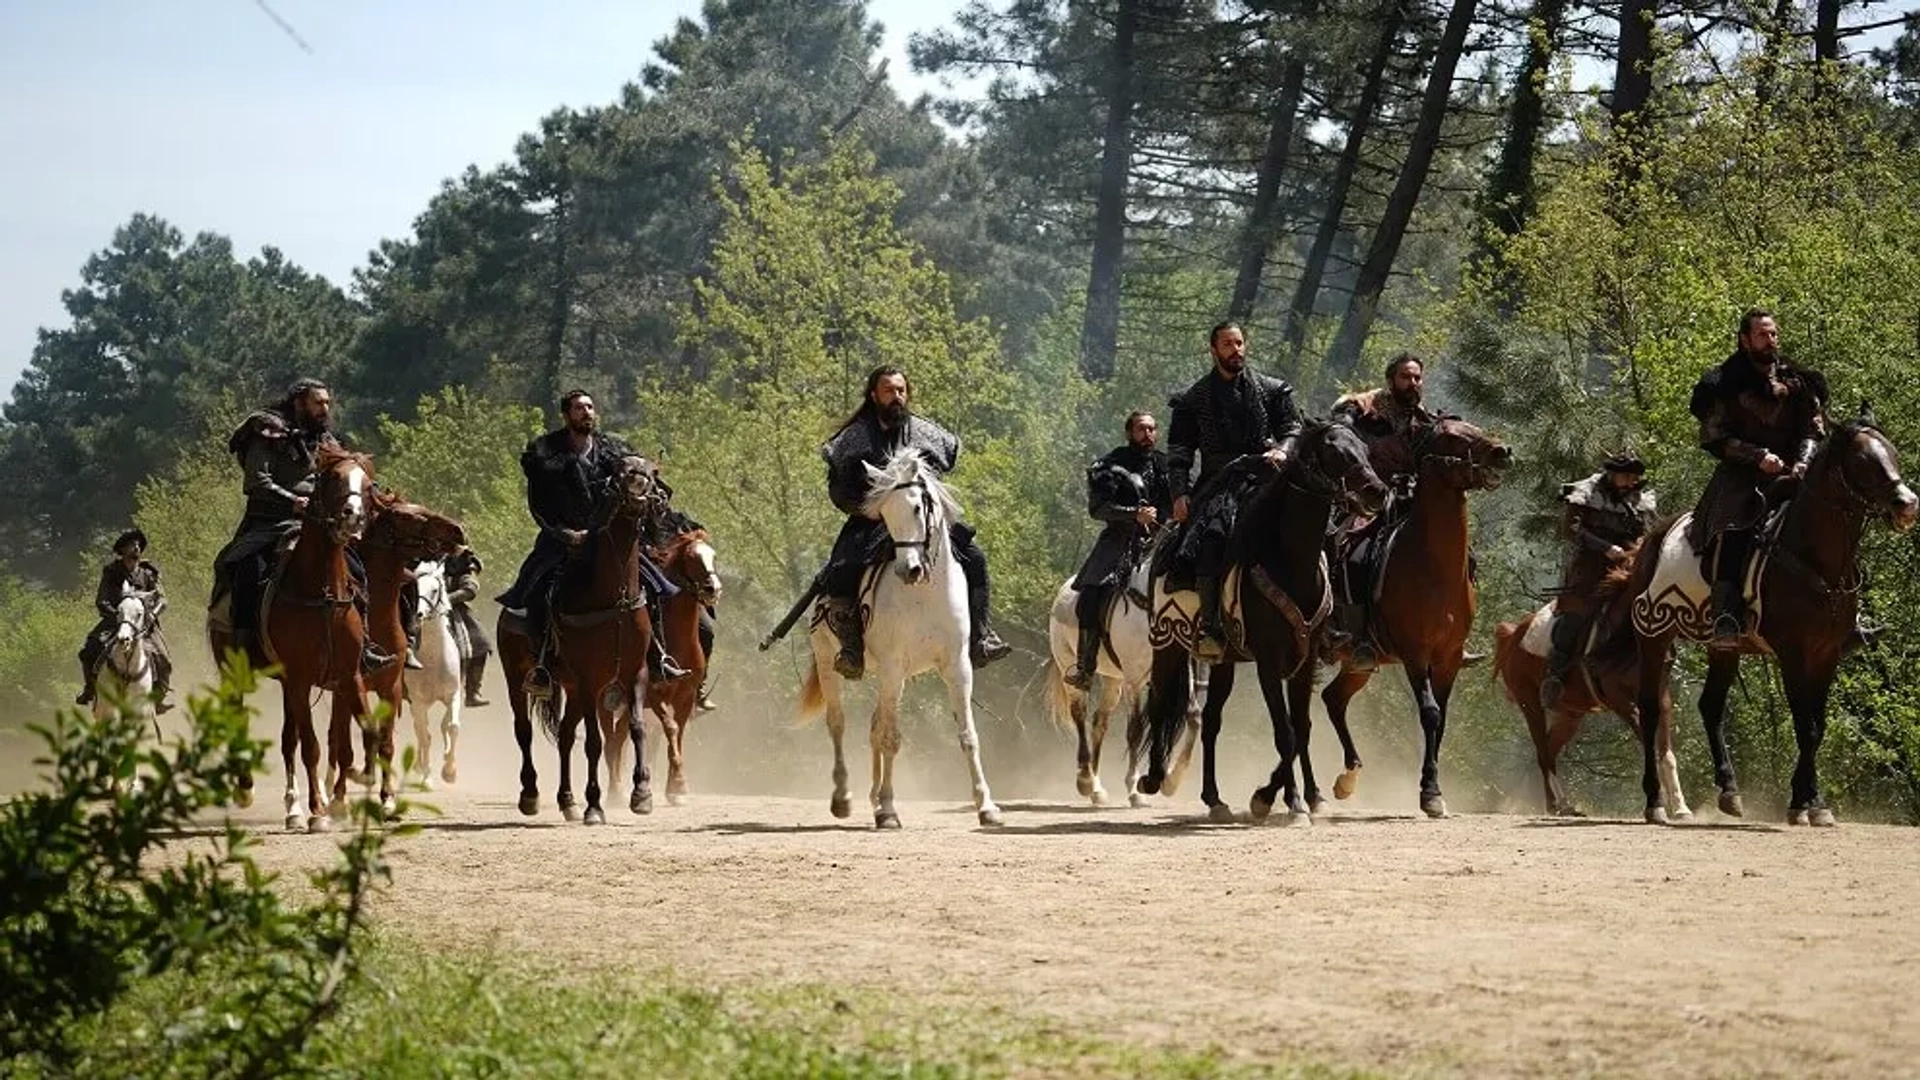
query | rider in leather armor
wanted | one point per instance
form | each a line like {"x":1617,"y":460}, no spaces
{"x":1128,"y":491}
{"x":129,"y":570}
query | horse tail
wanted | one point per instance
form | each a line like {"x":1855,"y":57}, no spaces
{"x":1059,"y":696}
{"x":1506,"y":638}
{"x":547,"y":710}
{"x":813,"y":701}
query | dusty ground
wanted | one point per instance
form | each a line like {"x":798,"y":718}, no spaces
{"x":1481,"y":945}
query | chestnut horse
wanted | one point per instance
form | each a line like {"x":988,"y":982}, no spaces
{"x":1802,"y":613}
{"x":1424,"y":602}
{"x":688,"y":562}
{"x":1283,"y":595}
{"x":599,"y":659}
{"x":309,"y":614}
{"x":1606,"y":680}
{"x":401,"y":532}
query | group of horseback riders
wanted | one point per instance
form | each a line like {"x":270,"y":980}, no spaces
{"x":1760,"y":417}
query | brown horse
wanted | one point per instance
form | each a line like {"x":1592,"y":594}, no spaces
{"x":688,"y":562}
{"x":602,"y":633}
{"x":401,"y":532}
{"x":1607,"y":681}
{"x":1425,"y":598}
{"x":1802,"y":614}
{"x":312,"y":632}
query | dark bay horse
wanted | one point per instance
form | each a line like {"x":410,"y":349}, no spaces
{"x":1803,"y":613}
{"x":1283,"y":597}
{"x":312,"y":631}
{"x":688,"y":562}
{"x":401,"y":532}
{"x":601,"y":636}
{"x":1426,"y":598}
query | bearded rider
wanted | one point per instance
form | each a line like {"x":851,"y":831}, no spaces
{"x":884,"y":424}
{"x":1607,"y":515}
{"x":1128,"y":491}
{"x":1231,"y":413}
{"x":128,"y":572}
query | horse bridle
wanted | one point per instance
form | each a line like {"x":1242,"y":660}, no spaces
{"x":1421,"y":446}
{"x":1877,"y":504}
{"x":924,"y":514}
{"x":1322,"y":484}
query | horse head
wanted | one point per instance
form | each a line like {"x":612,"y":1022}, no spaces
{"x":343,"y":491}
{"x":1862,"y":469}
{"x":1332,"y":459}
{"x":688,"y":561}
{"x":1461,"y":456}
{"x":136,"y":614}
{"x":416,"y":530}
{"x":634,"y":488}
{"x":915,"y":506}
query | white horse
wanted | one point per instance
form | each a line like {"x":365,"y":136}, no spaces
{"x":1125,"y":667}
{"x":126,"y":671}
{"x":439,"y":680}
{"x":918,"y":622}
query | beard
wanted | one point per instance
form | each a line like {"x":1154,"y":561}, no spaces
{"x":1765,"y":358}
{"x":315,"y":425}
{"x":1410,"y":398}
{"x":894,"y":413}
{"x":1143,"y":443}
{"x":1235,"y":364}
{"x":583,"y":426}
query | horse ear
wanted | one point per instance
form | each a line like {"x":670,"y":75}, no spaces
{"x":1866,"y":412}
{"x":872,"y":473}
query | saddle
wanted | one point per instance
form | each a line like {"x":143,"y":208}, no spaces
{"x":1679,"y":597}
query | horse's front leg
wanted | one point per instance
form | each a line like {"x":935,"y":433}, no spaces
{"x":450,"y":735}
{"x":640,"y":800}
{"x":1433,"y":727}
{"x":1280,"y":784}
{"x":1807,"y":692}
{"x":883,"y":735}
{"x":1199,"y":689}
{"x":292,"y":754}
{"x":422,"y":740}
{"x":1219,"y":689}
{"x":960,"y":701}
{"x":1300,"y":714}
{"x":564,"y":738}
{"x":591,"y":716}
{"x":1723,"y":667}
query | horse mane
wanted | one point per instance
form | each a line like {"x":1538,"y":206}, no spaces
{"x":679,"y":543}
{"x":1613,"y":642}
{"x":332,"y":455}
{"x":904,"y":466}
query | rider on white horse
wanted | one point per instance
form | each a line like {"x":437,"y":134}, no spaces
{"x":884,"y":424}
{"x":129,"y":571}
{"x":1128,"y":490}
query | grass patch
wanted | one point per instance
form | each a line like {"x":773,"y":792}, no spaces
{"x":426,"y":1013}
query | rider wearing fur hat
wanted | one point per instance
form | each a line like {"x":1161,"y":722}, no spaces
{"x":129,"y":571}
{"x":1606,"y":516}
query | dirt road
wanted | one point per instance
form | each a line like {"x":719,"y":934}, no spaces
{"x":1481,"y":945}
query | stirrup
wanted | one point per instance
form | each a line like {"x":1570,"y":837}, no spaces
{"x":988,"y":648}
{"x":1727,"y":631}
{"x":1078,"y":677}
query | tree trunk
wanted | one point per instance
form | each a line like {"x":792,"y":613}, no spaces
{"x":1348,"y":165}
{"x":1374,"y":270}
{"x":1772,"y":50}
{"x":1633,"y":68}
{"x":1100,"y":331}
{"x":1510,"y":198}
{"x":1263,"y":221}
{"x":1826,"y":30}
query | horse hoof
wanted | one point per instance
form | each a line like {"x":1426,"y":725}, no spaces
{"x":886,"y":819}
{"x":1099,"y":796}
{"x":1343,"y":786}
{"x":1317,"y":807}
{"x":1730,"y":804}
{"x":1085,"y":785}
{"x":1683,"y":814}
{"x":1259,"y":808}
{"x":1220,"y":814}
{"x":1821,"y":818}
{"x":1567,"y":810}
{"x":319,"y":823}
{"x":1657,"y":815}
{"x":296,"y":823}
{"x":990,"y":816}
{"x":529,"y":803}
{"x":1150,"y":785}
{"x":1139,"y":801}
{"x":595,"y":816}
{"x":243,"y":798}
{"x":450,"y":773}
{"x":1298,"y":819}
{"x":641,"y":802}
{"x":842,"y":806}
{"x":1799,"y":817}
{"x":1433,"y":806}
{"x":389,"y":808}
{"x":337,"y":809}
{"x":570,"y":811}
{"x":675,"y":798}
{"x":426,"y":783}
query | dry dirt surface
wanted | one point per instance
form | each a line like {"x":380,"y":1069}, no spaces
{"x":1476,"y":946}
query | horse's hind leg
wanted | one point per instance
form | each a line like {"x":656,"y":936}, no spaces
{"x":1084,"y":773}
{"x":829,"y":681}
{"x":1219,"y":688}
{"x":1136,"y":745}
{"x":1723,"y":666}
{"x":1338,"y":694}
{"x":1189,"y":737}
{"x":450,"y":736}
{"x":422,"y":741}
{"x":1097,"y":737}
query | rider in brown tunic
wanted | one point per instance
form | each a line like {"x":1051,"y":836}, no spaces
{"x":1762,"y":418}
{"x":1607,"y":515}
{"x":128,"y":570}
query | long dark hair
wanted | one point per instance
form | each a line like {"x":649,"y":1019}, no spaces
{"x":866,"y":398}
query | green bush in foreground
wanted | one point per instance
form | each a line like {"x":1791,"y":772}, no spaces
{"x":92,"y":911}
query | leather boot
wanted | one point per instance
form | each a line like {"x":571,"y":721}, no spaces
{"x":985,"y":646}
{"x":1728,"y":616}
{"x":1209,"y":644}
{"x":474,"y":670}
{"x":1081,"y":677}
{"x":703,"y":702}
{"x":86,"y":684}
{"x":1554,"y":685}
{"x":843,"y":618}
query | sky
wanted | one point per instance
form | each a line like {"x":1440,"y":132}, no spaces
{"x":208,"y":114}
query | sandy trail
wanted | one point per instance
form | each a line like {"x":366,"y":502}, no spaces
{"x":1481,"y":945}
